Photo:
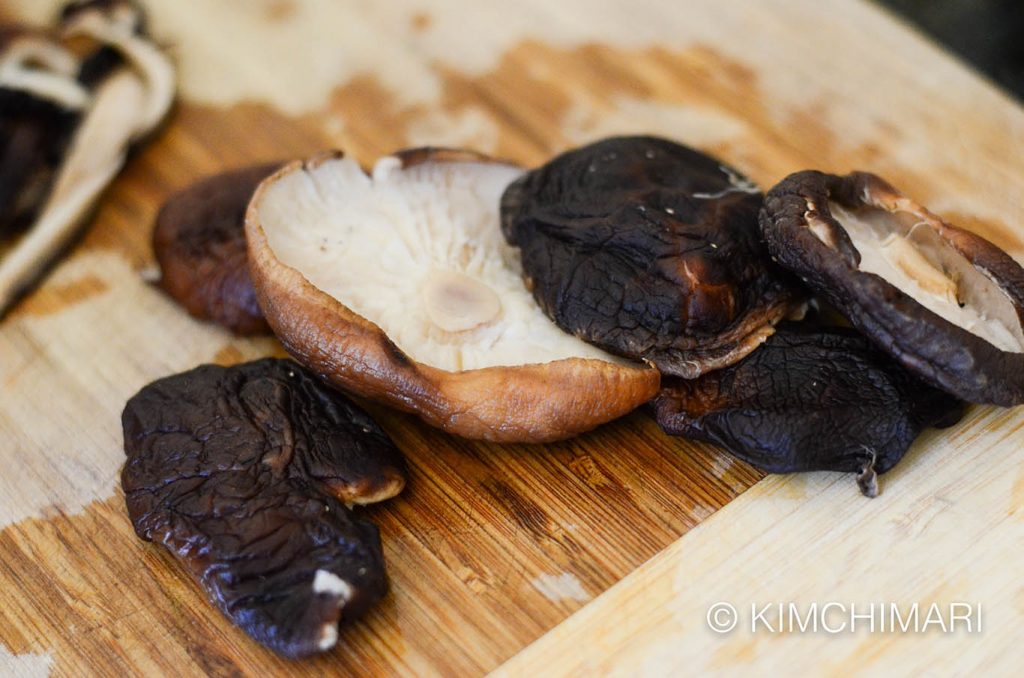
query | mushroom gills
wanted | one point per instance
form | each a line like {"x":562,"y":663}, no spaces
{"x":418,"y":252}
{"x":910,"y":254}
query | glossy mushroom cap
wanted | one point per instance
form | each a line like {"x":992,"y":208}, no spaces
{"x":650,"y":250}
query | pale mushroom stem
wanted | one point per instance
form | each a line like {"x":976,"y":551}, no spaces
{"x":152,"y":66}
{"x":129,"y":104}
{"x":43,"y":70}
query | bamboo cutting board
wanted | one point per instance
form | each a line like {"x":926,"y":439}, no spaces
{"x":492,"y":548}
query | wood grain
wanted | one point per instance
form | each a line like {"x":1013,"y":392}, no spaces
{"x":947,"y":530}
{"x":480,"y":544}
{"x":947,"y":527}
{"x":478,"y":530}
{"x":477,"y":525}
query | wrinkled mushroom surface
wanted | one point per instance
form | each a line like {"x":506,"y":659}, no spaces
{"x":244,"y":473}
{"x":199,"y":242}
{"x":398,"y":286}
{"x":946,"y":303}
{"x":824,"y":400}
{"x":649,"y":250}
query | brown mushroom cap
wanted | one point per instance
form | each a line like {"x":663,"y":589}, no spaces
{"x":243,"y":474}
{"x":944,"y":302}
{"x":199,"y":242}
{"x":650,"y":250}
{"x":399,"y":287}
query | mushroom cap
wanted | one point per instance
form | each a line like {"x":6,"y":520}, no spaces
{"x":808,"y":400}
{"x":243,"y":473}
{"x":497,"y":372}
{"x":199,"y":242}
{"x":944,"y":302}
{"x":650,"y":250}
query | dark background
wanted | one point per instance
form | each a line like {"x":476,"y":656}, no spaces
{"x":989,"y":34}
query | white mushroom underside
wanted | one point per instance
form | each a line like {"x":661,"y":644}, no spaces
{"x":419,"y":252}
{"x":909,"y":254}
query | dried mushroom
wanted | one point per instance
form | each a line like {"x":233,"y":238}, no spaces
{"x":649,"y":250}
{"x":944,"y":302}
{"x":40,"y":104}
{"x":824,"y":400}
{"x":70,"y":110}
{"x":398,"y":286}
{"x":199,"y":242}
{"x":244,"y":473}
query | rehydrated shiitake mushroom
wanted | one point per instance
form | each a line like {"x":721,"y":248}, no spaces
{"x":244,"y":473}
{"x":824,"y":400}
{"x":649,"y":250}
{"x":399,"y":287}
{"x":71,"y":108}
{"x":946,"y":303}
{"x":199,"y":242}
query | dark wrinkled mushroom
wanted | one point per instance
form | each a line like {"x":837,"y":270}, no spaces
{"x":944,"y":302}
{"x":824,"y":400}
{"x":649,"y":250}
{"x":199,"y":242}
{"x":244,"y":473}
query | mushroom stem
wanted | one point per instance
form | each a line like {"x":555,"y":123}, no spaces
{"x":867,"y":479}
{"x":43,"y":70}
{"x":126,"y":106}
{"x":96,"y":155}
{"x":151,"y":64}
{"x":28,"y":49}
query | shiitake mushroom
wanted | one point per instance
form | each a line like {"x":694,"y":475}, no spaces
{"x":945,"y":303}
{"x":244,"y":473}
{"x":199,"y":243}
{"x":809,"y":400}
{"x":650,"y":250}
{"x":399,"y":287}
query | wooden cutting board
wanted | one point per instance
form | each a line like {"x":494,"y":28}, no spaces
{"x":492,"y":548}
